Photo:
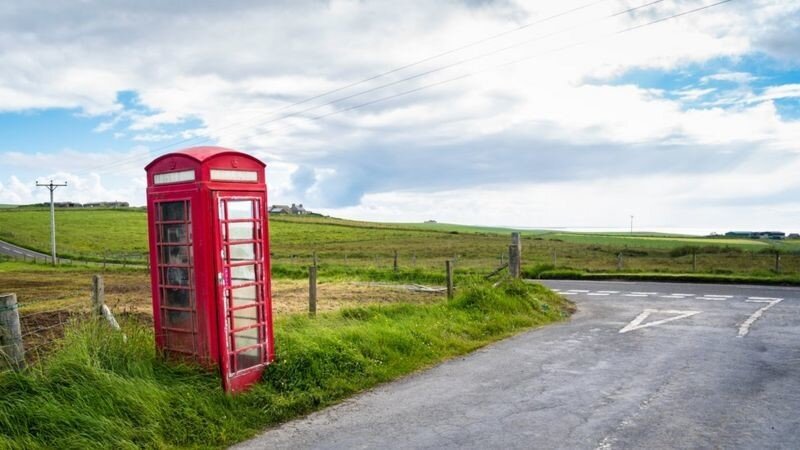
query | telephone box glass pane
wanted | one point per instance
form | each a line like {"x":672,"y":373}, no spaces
{"x":179,"y":319}
{"x":249,"y":358}
{"x":244,"y":295}
{"x":179,"y":298}
{"x":243,"y":273}
{"x":174,"y":233}
{"x":177,"y":276}
{"x":175,"y":254}
{"x":172,"y":211}
{"x":245,"y":317}
{"x":246,"y":338}
{"x":240,"y":209}
{"x":240,"y":230}
{"x":243,"y":252}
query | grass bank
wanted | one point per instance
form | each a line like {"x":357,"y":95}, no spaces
{"x":98,"y":391}
{"x":568,"y":274}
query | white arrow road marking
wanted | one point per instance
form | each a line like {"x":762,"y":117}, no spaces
{"x":744,"y":328}
{"x":637,"y":322}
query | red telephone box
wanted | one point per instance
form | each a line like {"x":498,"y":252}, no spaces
{"x":209,"y":261}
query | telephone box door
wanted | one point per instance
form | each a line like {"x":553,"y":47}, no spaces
{"x":243,"y":284}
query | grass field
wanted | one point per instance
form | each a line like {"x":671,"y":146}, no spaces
{"x":99,"y":391}
{"x":346,"y":247}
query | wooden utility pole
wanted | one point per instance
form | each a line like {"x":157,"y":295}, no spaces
{"x":312,"y":291}
{"x":449,"y":275}
{"x":52,"y":187}
{"x":12,"y":351}
{"x":395,"y":262}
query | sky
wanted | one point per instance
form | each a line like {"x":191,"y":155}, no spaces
{"x":576,"y":114}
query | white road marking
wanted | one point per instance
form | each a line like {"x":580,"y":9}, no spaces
{"x":764,"y":298}
{"x":712,"y":298}
{"x":744,"y":328}
{"x":717,"y":296}
{"x":569,"y":293}
{"x":634,"y":295}
{"x":579,"y":291}
{"x":683,"y":295}
{"x":637,"y":322}
{"x":645,"y":293}
{"x":609,"y":292}
{"x":673,"y":296}
{"x":598,"y":293}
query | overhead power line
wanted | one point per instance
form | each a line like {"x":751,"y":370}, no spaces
{"x":413,"y":64}
{"x":471,"y":74}
{"x":196,"y":140}
{"x":509,"y":63}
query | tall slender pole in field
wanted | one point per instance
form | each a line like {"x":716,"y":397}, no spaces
{"x":52,"y":187}
{"x":631,"y":224}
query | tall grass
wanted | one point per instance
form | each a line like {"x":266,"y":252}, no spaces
{"x":98,"y":390}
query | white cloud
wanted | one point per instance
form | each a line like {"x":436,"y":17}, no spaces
{"x":230,"y":71}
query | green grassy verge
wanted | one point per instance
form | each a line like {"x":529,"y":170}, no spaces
{"x":568,"y":274}
{"x":98,"y":391}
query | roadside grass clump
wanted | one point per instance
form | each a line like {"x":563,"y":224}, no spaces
{"x":720,"y":277}
{"x":99,"y":390}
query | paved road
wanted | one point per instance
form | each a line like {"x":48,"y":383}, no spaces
{"x":641,"y":365}
{"x":19,"y":252}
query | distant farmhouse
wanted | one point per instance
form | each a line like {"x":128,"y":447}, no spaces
{"x":295,"y":210}
{"x":756,"y":234}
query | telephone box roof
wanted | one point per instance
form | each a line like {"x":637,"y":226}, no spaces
{"x":203,"y":153}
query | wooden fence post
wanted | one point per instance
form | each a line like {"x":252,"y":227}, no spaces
{"x":12,"y":350}
{"x":694,"y":260}
{"x":448,"y":265}
{"x":396,"y":268}
{"x":777,"y":262}
{"x":98,"y":294}
{"x":314,"y":257}
{"x":99,"y":307}
{"x":312,"y":291}
{"x":555,"y":258}
{"x":414,"y":259}
{"x":514,"y":261}
{"x":619,"y":261}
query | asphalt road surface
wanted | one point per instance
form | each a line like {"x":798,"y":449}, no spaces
{"x":641,"y":365}
{"x":19,"y":252}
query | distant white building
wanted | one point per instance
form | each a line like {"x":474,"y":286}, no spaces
{"x":295,"y":210}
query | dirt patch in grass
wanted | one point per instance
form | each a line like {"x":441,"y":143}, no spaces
{"x":129,"y":292}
